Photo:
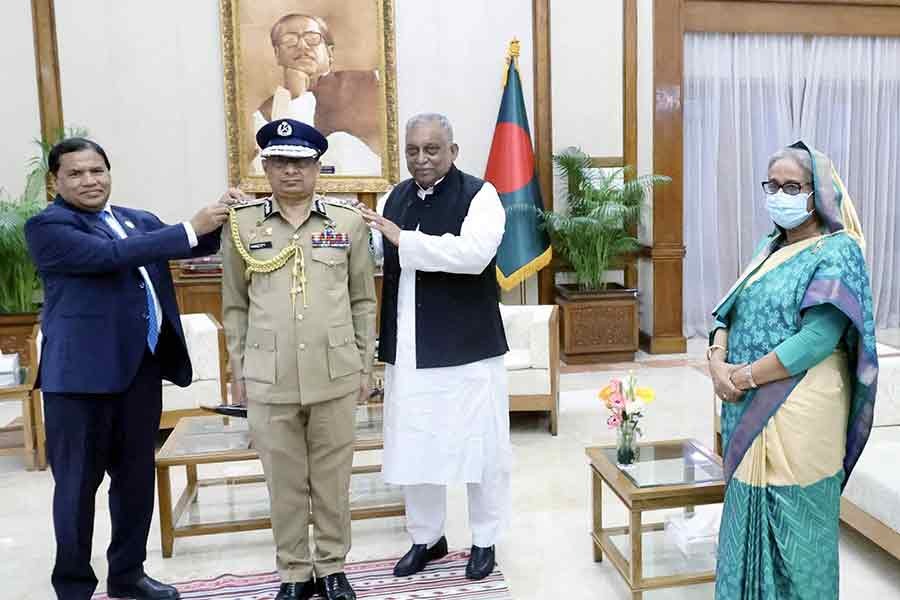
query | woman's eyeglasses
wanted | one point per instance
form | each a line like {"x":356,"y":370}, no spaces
{"x":790,"y":188}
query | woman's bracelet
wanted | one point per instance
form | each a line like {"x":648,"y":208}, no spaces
{"x":713,"y":348}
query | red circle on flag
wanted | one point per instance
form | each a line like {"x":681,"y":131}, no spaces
{"x":510,"y":163}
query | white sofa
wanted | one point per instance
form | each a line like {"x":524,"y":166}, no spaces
{"x":205,"y":340}
{"x":871,"y":500}
{"x":532,"y":362}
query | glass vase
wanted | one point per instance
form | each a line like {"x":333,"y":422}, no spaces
{"x":627,"y":449}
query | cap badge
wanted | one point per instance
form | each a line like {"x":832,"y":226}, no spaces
{"x":285,"y":129}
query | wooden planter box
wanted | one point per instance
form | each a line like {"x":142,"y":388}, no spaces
{"x":599,"y":326}
{"x":15,"y":330}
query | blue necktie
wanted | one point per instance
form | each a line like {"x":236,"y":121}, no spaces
{"x":152,"y":323}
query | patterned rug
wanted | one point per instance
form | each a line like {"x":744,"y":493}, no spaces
{"x":372,"y":580}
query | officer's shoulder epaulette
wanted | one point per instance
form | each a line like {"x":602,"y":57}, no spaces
{"x":244,"y":205}
{"x":340,"y":203}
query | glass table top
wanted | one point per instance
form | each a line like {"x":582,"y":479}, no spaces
{"x":671,"y":463}
{"x":14,"y":379}
{"x":215,"y":434}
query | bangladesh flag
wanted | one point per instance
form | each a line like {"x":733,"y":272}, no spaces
{"x":525,"y":248}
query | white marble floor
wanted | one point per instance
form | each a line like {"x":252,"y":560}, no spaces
{"x":545,"y":554}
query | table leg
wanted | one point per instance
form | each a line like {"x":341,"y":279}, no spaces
{"x":192,"y":481}
{"x":597,"y":486}
{"x":40,"y":434}
{"x":28,"y":433}
{"x":166,"y":529}
{"x":637,"y":557}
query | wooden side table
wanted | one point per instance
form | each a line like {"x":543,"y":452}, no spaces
{"x":670,"y":474}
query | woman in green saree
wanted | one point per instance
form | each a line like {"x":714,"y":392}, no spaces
{"x":792,"y":356}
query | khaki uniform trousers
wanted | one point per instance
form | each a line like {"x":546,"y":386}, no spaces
{"x":307,"y":458}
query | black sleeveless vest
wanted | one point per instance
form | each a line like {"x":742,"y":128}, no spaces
{"x":457,"y":316}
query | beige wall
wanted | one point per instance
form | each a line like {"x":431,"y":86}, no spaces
{"x":19,"y":113}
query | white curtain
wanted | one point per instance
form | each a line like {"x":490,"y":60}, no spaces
{"x":745,"y":96}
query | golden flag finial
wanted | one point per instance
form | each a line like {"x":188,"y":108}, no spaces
{"x":512,"y":57}
{"x":513,"y":51}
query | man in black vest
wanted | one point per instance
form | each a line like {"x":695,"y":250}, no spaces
{"x":446,"y":405}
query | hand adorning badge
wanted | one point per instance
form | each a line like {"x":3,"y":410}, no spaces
{"x":388,"y":229}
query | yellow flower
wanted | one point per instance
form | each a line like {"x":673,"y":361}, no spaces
{"x":645,"y":394}
{"x":605,"y":394}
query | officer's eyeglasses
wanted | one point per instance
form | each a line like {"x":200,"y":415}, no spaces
{"x":310,"y":38}
{"x":791,"y":188}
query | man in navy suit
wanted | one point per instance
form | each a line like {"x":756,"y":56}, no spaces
{"x":111,"y":333}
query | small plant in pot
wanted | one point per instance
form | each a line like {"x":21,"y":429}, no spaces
{"x":20,"y":288}
{"x":596,"y":226}
{"x":19,"y":283}
{"x":590,"y":234}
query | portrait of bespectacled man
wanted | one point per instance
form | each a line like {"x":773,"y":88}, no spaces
{"x":321,"y":62}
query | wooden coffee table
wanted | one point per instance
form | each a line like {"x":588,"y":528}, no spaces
{"x":669,"y":474}
{"x":216,"y":439}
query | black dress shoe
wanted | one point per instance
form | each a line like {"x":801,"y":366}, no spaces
{"x":419,"y":556}
{"x":296,"y":590}
{"x":336,"y":587}
{"x":481,"y":563}
{"x":145,"y":588}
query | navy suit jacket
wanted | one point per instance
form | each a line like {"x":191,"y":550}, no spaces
{"x":94,"y":319}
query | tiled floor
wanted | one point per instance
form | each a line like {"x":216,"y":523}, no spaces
{"x":547,"y":551}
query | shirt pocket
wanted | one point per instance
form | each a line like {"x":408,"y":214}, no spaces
{"x":260,"y":356}
{"x":331,"y":265}
{"x":343,"y":354}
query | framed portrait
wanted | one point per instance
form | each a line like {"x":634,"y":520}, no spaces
{"x":328,"y":63}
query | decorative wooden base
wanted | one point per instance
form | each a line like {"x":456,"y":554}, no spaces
{"x":599,"y":326}
{"x":15,"y":331}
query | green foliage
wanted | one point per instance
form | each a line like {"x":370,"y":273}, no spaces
{"x":19,"y":282}
{"x":603,"y":207}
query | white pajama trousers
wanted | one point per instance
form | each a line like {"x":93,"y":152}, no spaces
{"x":426,"y":510}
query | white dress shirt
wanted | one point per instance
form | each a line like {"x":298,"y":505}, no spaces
{"x":114,"y":224}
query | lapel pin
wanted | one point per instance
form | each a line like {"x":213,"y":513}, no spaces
{"x":129,"y":224}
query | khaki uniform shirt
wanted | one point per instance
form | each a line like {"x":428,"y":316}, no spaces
{"x":300,"y":354}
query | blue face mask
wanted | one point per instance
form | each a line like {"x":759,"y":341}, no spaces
{"x":788,"y":211}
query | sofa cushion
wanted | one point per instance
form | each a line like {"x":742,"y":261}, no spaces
{"x":199,"y":392}
{"x":887,"y":401}
{"x":202,"y":339}
{"x":529,"y":381}
{"x":516,"y":360}
{"x":874,"y":485}
{"x":517,"y":326}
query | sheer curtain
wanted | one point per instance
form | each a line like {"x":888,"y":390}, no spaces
{"x":745,"y":96}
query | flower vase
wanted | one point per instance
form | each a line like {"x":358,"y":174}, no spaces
{"x":627,"y":449}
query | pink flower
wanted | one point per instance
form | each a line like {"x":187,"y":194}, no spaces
{"x":617,"y":400}
{"x":614,"y":420}
{"x":616,"y":385}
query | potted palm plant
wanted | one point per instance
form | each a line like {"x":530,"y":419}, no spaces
{"x":19,"y":283}
{"x":599,"y":318}
{"x":20,"y":290}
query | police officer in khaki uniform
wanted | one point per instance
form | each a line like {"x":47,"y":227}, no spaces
{"x":298,"y":298}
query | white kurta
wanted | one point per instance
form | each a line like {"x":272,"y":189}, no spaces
{"x":450,"y":424}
